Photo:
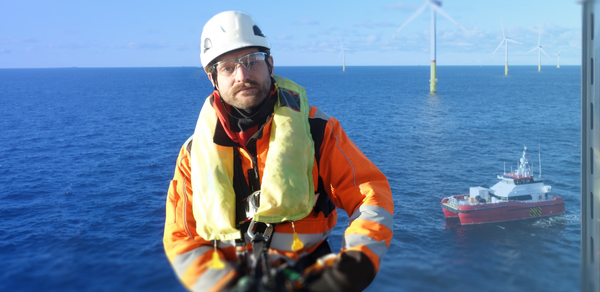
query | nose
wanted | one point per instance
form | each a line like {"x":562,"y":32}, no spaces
{"x":241,"y":73}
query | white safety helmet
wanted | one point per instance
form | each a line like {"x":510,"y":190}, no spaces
{"x":229,"y":31}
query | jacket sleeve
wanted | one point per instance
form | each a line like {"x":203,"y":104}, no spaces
{"x":188,"y":253}
{"x":357,"y":186}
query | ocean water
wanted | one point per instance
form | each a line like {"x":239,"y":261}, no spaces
{"x":86,"y":156}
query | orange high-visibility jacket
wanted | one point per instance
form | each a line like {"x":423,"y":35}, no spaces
{"x":343,"y":176}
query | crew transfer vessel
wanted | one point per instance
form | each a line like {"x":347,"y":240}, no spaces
{"x":518,"y":195}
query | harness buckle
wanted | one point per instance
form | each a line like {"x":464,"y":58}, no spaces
{"x":252,"y":204}
{"x":265,"y":235}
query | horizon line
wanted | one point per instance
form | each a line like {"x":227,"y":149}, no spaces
{"x":198,"y":67}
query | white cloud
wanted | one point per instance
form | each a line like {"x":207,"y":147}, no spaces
{"x":306,"y":21}
{"x":182,"y":47}
{"x":284,"y":37}
{"x":147,"y":45}
{"x":370,"y":39}
{"x":370,"y":24}
{"x":366,"y":23}
{"x":77,"y":45}
{"x":13,"y":40}
{"x":385,"y":24}
{"x":402,"y":7}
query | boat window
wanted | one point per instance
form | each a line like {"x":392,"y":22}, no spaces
{"x":521,"y":198}
{"x":499,"y":197}
{"x":523,"y":181}
{"x":516,"y":198}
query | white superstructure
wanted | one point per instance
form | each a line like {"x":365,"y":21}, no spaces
{"x":520,"y":185}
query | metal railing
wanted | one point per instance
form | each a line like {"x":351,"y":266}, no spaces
{"x":590,"y":142}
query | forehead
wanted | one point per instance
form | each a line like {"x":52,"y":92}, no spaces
{"x":237,"y":54}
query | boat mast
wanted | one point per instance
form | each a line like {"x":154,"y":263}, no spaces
{"x":540,"y":154}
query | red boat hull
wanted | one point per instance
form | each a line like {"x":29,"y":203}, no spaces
{"x":503,"y":211}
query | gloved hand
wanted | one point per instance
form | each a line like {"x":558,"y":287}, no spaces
{"x":319,"y":277}
{"x":323,"y":282}
{"x":349,"y":271}
{"x":244,"y":284}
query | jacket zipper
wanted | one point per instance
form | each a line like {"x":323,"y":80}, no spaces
{"x":253,"y":174}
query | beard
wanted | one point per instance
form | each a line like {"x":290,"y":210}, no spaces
{"x":248,"y":99}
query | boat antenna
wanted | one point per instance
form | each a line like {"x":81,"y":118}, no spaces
{"x":540,"y":157}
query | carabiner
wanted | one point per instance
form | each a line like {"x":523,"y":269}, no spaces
{"x":253,"y":202}
{"x":266,"y":234}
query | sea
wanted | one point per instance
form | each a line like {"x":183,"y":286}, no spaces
{"x":86,"y":156}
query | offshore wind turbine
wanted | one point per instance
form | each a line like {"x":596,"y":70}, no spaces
{"x":539,"y":48}
{"x":505,"y":41}
{"x":343,"y":55}
{"x":434,"y":6}
{"x":558,"y":58}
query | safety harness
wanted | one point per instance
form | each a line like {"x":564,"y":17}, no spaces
{"x":220,"y":186}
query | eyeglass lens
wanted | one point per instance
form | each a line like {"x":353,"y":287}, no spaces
{"x":228,"y":67}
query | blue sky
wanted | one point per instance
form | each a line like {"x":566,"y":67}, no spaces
{"x":85,"y":33}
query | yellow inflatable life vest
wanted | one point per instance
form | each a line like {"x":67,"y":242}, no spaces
{"x":287,"y":190}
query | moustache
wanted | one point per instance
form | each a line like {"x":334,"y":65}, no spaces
{"x":249,"y":83}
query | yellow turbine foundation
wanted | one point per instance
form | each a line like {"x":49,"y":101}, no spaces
{"x":433,"y":79}
{"x":539,"y":67}
{"x":344,"y":67}
{"x":506,"y":68}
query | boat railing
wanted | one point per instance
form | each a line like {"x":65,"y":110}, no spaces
{"x":456,"y":202}
{"x":465,"y":200}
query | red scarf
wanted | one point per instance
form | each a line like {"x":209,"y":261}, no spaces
{"x":222,"y":112}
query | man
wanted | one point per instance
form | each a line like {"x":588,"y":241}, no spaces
{"x":255,"y":190}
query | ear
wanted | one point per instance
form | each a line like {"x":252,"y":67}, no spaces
{"x":272,"y":66}
{"x":211,"y":80}
{"x":209,"y":75}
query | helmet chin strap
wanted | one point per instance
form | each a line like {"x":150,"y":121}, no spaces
{"x":269,"y":65}
{"x":213,"y":77}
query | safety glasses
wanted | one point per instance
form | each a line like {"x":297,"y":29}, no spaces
{"x":250,"y":62}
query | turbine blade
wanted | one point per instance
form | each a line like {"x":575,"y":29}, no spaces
{"x":340,"y":54}
{"x":498,"y":47}
{"x":539,"y":38}
{"x":341,"y":43}
{"x":544,"y":52}
{"x":419,"y":11}
{"x":532,"y":50}
{"x":559,"y":51}
{"x":514,"y":41}
{"x":502,"y":25}
{"x":442,"y":12}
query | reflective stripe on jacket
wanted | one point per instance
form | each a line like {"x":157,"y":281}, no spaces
{"x":343,"y":175}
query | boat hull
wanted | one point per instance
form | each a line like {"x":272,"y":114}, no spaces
{"x":480,"y":213}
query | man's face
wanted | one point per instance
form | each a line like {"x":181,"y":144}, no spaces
{"x":245,"y":88}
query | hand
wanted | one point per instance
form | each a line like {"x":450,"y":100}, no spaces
{"x":244,"y":284}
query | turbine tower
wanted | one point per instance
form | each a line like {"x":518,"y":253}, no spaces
{"x":539,"y":48}
{"x":343,"y":55}
{"x":504,"y":41}
{"x":558,"y":58}
{"x":435,"y":7}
